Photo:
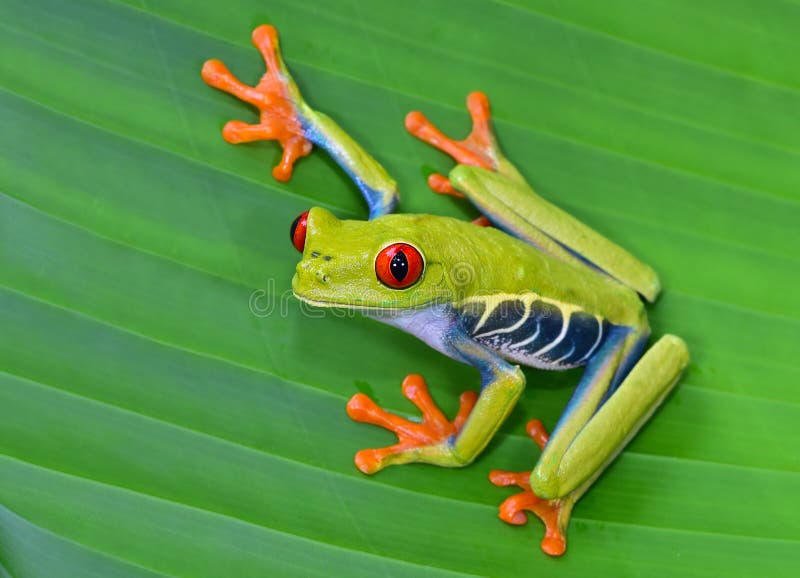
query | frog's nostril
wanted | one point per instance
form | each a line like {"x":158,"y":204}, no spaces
{"x":312,"y":271}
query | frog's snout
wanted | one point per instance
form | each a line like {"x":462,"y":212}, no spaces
{"x":314,"y":270}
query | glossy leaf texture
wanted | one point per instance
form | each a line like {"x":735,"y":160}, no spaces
{"x":167,"y":409}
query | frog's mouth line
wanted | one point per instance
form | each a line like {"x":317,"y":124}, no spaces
{"x":388,"y":307}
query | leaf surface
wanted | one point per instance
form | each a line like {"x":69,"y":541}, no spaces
{"x":151,"y":424}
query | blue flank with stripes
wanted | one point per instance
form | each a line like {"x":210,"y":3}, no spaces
{"x":523,"y":335}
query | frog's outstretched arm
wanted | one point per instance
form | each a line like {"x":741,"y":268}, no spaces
{"x":606,"y":411}
{"x":287,"y":118}
{"x":435,"y":440}
{"x":498,"y":190}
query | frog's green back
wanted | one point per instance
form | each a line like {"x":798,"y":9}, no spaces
{"x":505,"y":265}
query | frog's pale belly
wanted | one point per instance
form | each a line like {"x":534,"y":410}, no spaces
{"x":533,"y":331}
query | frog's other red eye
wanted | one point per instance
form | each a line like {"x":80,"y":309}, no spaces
{"x":399,"y":266}
{"x":298,"y":231}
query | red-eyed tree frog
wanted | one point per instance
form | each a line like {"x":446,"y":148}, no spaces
{"x":537,"y":288}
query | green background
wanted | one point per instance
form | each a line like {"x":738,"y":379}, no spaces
{"x":150,"y":424}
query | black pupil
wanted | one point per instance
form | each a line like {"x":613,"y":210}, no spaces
{"x":294,"y":227}
{"x":399,"y":266}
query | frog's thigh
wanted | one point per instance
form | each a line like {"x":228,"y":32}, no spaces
{"x":501,"y":198}
{"x":615,"y":423}
{"x":515,"y":207}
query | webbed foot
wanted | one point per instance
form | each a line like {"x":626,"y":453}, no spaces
{"x":275,"y":96}
{"x":479,"y":149}
{"x":553,"y":513}
{"x":426,"y":441}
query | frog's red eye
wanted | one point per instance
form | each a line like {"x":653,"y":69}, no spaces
{"x":298,"y":231}
{"x":399,"y":266}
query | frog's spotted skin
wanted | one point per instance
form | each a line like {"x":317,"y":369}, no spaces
{"x":548,"y":292}
{"x":532,"y":330}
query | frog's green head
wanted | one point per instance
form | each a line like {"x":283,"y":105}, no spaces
{"x":397,"y":261}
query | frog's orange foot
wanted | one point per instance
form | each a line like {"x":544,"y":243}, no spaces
{"x":441,"y":184}
{"x":478,"y":149}
{"x":274,"y":96}
{"x":434,"y":430}
{"x":513,"y":509}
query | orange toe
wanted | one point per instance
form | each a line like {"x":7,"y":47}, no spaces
{"x":433,"y":429}
{"x":441,"y":184}
{"x":275,"y":99}
{"x":537,"y":432}
{"x":479,"y":149}
{"x":513,"y":509}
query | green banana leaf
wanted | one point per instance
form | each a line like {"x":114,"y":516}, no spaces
{"x":167,"y":409}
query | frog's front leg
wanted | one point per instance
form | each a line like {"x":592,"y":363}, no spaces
{"x":287,"y":118}
{"x":435,"y":440}
{"x":610,"y":405}
{"x":415,"y":439}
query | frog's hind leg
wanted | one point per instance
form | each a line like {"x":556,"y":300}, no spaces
{"x":497,"y":189}
{"x":576,"y":454}
{"x":478,"y":149}
{"x":597,"y":424}
{"x":485,"y":176}
{"x":554,"y":514}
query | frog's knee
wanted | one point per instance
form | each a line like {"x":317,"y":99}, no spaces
{"x":545,"y":483}
{"x":460,"y":459}
{"x":466,"y":178}
{"x":677,"y":348}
